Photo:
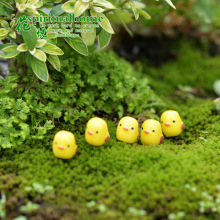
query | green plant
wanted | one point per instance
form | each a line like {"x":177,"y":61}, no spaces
{"x":37,"y":188}
{"x":23,"y":28}
{"x":99,"y":85}
{"x":18,"y":117}
{"x":29,"y":207}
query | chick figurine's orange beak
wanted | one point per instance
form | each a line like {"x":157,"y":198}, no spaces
{"x":127,"y":130}
{"x":151,"y":132}
{"x":171,"y":123}
{"x":64,"y":145}
{"x":96,"y":132}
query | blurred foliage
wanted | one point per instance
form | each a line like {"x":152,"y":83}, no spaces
{"x":191,"y":17}
{"x":192,"y":72}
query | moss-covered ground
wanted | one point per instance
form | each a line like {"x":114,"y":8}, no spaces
{"x":178,"y":179}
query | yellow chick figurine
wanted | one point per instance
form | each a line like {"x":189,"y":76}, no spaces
{"x":64,"y":145}
{"x":172,"y":124}
{"x":151,"y":132}
{"x":96,"y":132}
{"x":127,"y":130}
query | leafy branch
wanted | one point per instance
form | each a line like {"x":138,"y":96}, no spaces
{"x":20,"y":27}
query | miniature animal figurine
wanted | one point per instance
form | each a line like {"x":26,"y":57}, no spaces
{"x":64,"y":145}
{"x":151,"y":132}
{"x":96,"y":133}
{"x":172,"y":124}
{"x":127,"y":130}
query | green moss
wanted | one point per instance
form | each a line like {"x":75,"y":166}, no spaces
{"x":121,"y":175}
{"x":99,"y":84}
{"x":130,"y":181}
{"x":190,"y":69}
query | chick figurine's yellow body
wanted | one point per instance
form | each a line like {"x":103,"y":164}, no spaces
{"x":151,"y":132}
{"x":64,"y":145}
{"x":96,"y":132}
{"x":172,"y":124}
{"x":127,"y":130}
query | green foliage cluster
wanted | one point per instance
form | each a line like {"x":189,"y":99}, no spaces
{"x":26,"y":35}
{"x":101,"y":83}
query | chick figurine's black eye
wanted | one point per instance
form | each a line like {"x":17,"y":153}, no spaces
{"x":132,"y":128}
{"x":142,"y":128}
{"x":120,"y":125}
{"x":174,"y":121}
{"x":68,"y":145}
{"x":97,"y":132}
{"x":161,"y":122}
{"x":153,"y":130}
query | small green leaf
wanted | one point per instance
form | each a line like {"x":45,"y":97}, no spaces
{"x":30,"y":37}
{"x":40,"y":69}
{"x":40,"y":43}
{"x":57,"y":10}
{"x":2,"y":2}
{"x":170,"y":3}
{"x":21,"y":7}
{"x":89,"y":37}
{"x":77,"y":44}
{"x":3,"y":31}
{"x":113,"y":17}
{"x":52,"y":49}
{"x":10,"y":52}
{"x":32,"y":12}
{"x":42,"y":12}
{"x":104,"y":3}
{"x":6,"y":45}
{"x":22,"y":47}
{"x":28,"y":59}
{"x":40,"y":55}
{"x":54,"y":61}
{"x":68,"y":7}
{"x":104,"y":38}
{"x":39,"y":4}
{"x":144,"y":13}
{"x":98,"y":9}
{"x":4,"y":24}
{"x":135,"y":11}
{"x":137,"y":4}
{"x":105,"y":24}
{"x":12,"y":34}
{"x":32,"y":51}
{"x":32,"y":2}
{"x":13,"y":22}
{"x":80,"y":7}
